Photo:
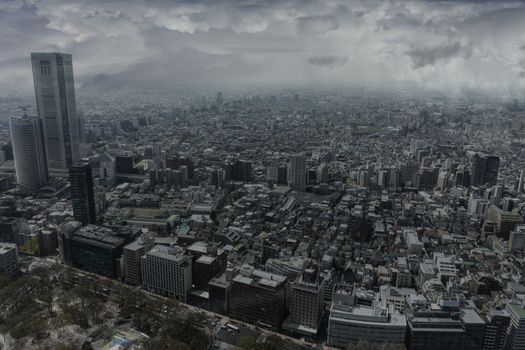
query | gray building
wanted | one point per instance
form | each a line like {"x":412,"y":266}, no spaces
{"x":306,"y":304}
{"x":258,"y":297}
{"x":29,"y":153}
{"x":358,"y":315}
{"x":167,"y":271}
{"x":297,"y":173}
{"x":515,"y":339}
{"x":131,"y":259}
{"x":56,"y":106}
{"x":9,"y":263}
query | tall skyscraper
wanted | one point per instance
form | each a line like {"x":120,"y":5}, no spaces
{"x":485,"y":170}
{"x":521,"y":182}
{"x":297,"y":173}
{"x":82,"y":193}
{"x":55,"y":101}
{"x":29,"y":152}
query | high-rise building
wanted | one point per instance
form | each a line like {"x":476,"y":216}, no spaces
{"x":258,"y":297}
{"x":82,"y":193}
{"x":56,"y":106}
{"x":521,"y":182}
{"x":515,"y":339}
{"x":496,"y":329}
{"x":484,"y":170}
{"x":517,"y":239}
{"x":297,"y":173}
{"x":9,"y":262}
{"x":505,"y":221}
{"x":217,"y":178}
{"x":29,"y":153}
{"x":132,"y":254}
{"x":307,"y":304}
{"x":167,"y":271}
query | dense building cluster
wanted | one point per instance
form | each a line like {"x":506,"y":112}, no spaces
{"x":326,"y":216}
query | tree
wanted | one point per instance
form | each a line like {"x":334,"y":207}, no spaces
{"x":246,"y":343}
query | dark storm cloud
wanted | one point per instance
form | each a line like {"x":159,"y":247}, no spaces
{"x":424,"y":56}
{"x":435,"y":44}
{"x":330,"y":62}
{"x":316,"y":25}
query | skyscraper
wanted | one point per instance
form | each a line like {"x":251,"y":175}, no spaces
{"x":55,"y":101}
{"x":297,"y":173}
{"x":485,"y":170}
{"x":29,"y":153}
{"x":82,"y":194}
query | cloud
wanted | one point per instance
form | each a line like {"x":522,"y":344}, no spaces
{"x":329,"y":62}
{"x":424,"y":56}
{"x":429,"y":44}
{"x":316,"y":25}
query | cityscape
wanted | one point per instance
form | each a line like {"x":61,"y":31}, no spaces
{"x":286,"y":194}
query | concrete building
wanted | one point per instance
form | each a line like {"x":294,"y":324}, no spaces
{"x":297,"y":173}
{"x":9,"y":262}
{"x":443,"y":325}
{"x":82,"y":193}
{"x":358,"y":315}
{"x":56,"y":106}
{"x":496,"y":330}
{"x":517,"y":239}
{"x":307,"y":304}
{"x":92,"y":248}
{"x":29,"y":153}
{"x":412,"y":241}
{"x":505,"y":221}
{"x":167,"y":271}
{"x":131,"y":259}
{"x":515,"y":339}
{"x":258,"y":297}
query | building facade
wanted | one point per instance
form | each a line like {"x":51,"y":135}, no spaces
{"x":29,"y":153}
{"x":56,"y":106}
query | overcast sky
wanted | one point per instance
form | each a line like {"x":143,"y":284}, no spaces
{"x":429,"y":44}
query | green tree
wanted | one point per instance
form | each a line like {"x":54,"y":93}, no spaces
{"x":246,"y":343}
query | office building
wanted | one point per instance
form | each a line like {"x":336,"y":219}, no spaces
{"x":11,"y":227}
{"x":240,"y":170}
{"x":359,"y":316}
{"x":91,"y":248}
{"x":124,"y":165}
{"x":496,"y":329}
{"x":517,"y":239}
{"x":56,"y":106}
{"x":515,"y":337}
{"x":205,"y":268}
{"x":9,"y":262}
{"x":297,"y":173}
{"x":131,"y":259}
{"x":442,"y":325}
{"x":306,"y":304}
{"x":412,"y":241}
{"x":258,"y":297}
{"x":217,"y":178}
{"x":219,"y":289}
{"x":505,"y":221}
{"x":167,"y":271}
{"x":82,"y":193}
{"x":29,"y":153}
{"x":485,"y":170}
